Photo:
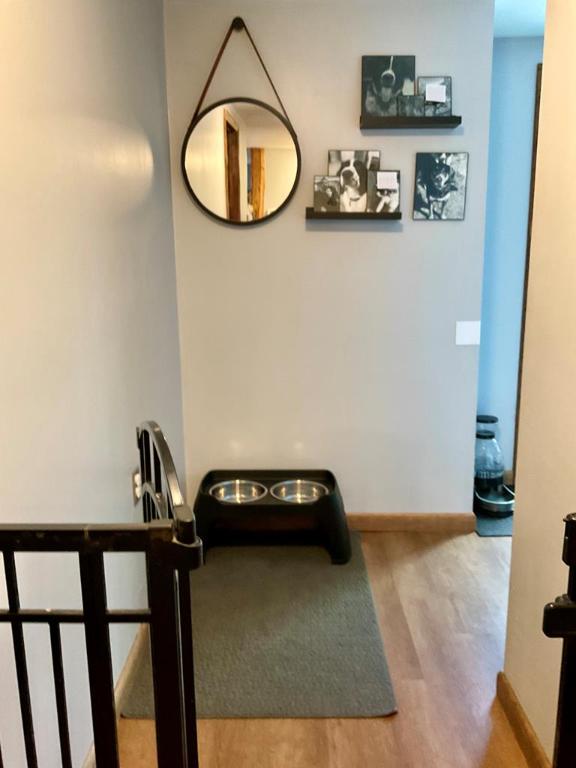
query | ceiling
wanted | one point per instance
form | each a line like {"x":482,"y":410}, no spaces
{"x":519,"y":18}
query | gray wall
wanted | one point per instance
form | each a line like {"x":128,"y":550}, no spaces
{"x":509,"y":168}
{"x":89,"y":339}
{"x":333,"y":345}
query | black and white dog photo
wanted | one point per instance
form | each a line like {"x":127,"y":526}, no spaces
{"x":384,"y":78}
{"x":351,"y":167}
{"x":437,"y":93}
{"x":383,"y":191}
{"x":440,"y":190}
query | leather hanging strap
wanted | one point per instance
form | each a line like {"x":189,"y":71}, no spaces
{"x":237,"y":25}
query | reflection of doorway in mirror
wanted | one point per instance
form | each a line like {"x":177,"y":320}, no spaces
{"x":232,"y":166}
{"x":256,"y":181}
{"x":240,"y":161}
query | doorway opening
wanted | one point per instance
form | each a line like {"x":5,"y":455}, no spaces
{"x":512,"y":157}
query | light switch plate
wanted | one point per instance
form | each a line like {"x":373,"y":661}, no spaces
{"x":467,"y":333}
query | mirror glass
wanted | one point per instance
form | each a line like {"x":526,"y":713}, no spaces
{"x":241,"y":161}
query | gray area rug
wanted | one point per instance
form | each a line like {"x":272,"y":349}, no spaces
{"x":494,"y":526}
{"x":280,"y":632}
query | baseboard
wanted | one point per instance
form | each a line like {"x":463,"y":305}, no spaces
{"x":127,"y":672}
{"x":522,"y":727}
{"x":433,"y":522}
{"x":121,"y":686}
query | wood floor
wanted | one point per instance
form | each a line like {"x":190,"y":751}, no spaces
{"x":441,"y":604}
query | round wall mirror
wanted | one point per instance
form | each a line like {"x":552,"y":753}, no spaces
{"x":241,"y":161}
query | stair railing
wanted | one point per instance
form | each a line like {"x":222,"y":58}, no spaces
{"x":172,"y":550}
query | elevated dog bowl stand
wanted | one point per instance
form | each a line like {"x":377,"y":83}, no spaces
{"x":269,"y":520}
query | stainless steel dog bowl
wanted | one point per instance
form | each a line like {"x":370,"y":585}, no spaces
{"x":298,"y":491}
{"x":238,"y":491}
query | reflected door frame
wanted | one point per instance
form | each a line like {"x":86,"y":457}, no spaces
{"x":232,"y":166}
{"x":257,"y":181}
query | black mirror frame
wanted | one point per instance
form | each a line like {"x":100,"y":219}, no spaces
{"x":287,"y":125}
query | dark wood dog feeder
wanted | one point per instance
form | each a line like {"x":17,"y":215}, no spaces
{"x":268,"y":506}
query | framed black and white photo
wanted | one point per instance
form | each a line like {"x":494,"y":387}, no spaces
{"x":383,"y":191}
{"x":338,"y":158}
{"x":326,"y":194}
{"x":440,"y":188}
{"x":411,"y":106}
{"x":351,"y":167}
{"x":384,"y":78}
{"x":437,"y":93}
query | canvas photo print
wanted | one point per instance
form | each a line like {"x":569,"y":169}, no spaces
{"x":411,"y":106}
{"x":326,"y":194}
{"x":437,"y":93}
{"x":351,"y":167}
{"x":440,"y":188}
{"x":383,"y":191}
{"x":384,"y":78}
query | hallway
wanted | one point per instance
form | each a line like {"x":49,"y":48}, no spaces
{"x":441,"y":602}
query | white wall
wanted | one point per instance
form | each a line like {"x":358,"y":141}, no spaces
{"x":547,"y":436}
{"x":88,"y":338}
{"x":333,"y":344}
{"x":509,"y":174}
{"x":205,"y":164}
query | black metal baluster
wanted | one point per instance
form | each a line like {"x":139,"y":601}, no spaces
{"x":146,"y":466}
{"x":187,"y":644}
{"x":156,"y":480}
{"x":157,"y":471}
{"x":147,"y":476}
{"x":93,"y":581}
{"x":60,"y":690}
{"x":20,"y":659}
{"x":560,"y":622}
{"x":565,"y":747}
{"x":145,"y":508}
{"x":142,"y":441}
{"x":166,"y":670}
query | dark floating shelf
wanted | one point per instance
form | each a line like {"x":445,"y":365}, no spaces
{"x":337,"y":215}
{"x":451,"y":121}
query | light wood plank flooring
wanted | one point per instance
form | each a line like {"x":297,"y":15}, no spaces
{"x":441,"y":604}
